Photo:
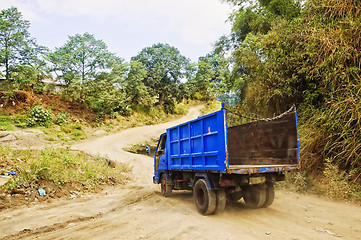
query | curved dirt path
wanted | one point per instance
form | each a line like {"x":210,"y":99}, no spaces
{"x":138,"y":210}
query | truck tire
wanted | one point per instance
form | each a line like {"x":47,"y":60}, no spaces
{"x":204,"y":198}
{"x":270,"y":195}
{"x":255,"y":196}
{"x":221,"y":200}
{"x":166,"y":189}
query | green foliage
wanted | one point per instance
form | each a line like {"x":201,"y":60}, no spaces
{"x":67,"y":133}
{"x":310,"y":58}
{"x":165,"y":67}
{"x":103,"y":95}
{"x":135,"y":87}
{"x":18,"y":51}
{"x":337,"y":182}
{"x":147,"y":115}
{"x":60,"y":167}
{"x":61,"y":118}
{"x":298,"y":181}
{"x":81,"y":58}
{"x":212,"y":77}
{"x":181,"y":108}
{"x":6,"y":122}
{"x":211,"y":106}
{"x":40,"y":116}
{"x":74,"y":130}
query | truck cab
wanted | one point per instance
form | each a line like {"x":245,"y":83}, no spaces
{"x":160,"y":157}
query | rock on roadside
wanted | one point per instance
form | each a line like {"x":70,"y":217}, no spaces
{"x":7,"y":136}
{"x":22,"y":138}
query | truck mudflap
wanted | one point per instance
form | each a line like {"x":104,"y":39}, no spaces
{"x":252,"y":169}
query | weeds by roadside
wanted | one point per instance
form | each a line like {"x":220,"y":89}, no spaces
{"x":59,"y":171}
{"x":333,"y":183}
{"x":211,"y":106}
{"x":65,"y":133}
{"x":59,"y":166}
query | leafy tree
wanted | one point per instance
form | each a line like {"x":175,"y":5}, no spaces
{"x":264,"y":58}
{"x":211,"y":77}
{"x":135,"y":88}
{"x":82,"y":58}
{"x":165,"y":68}
{"x":104,"y":94}
{"x":16,"y":45}
{"x":256,"y":17}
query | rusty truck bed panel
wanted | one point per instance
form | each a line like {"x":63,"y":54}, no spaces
{"x":264,"y":142}
{"x":252,"y":169}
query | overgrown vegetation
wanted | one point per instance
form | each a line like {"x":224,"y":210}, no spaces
{"x":59,"y":167}
{"x":71,"y":132}
{"x":306,"y":54}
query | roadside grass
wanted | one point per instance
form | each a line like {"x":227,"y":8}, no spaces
{"x":71,"y":132}
{"x":211,"y":106}
{"x":6,"y":122}
{"x":58,"y":167}
{"x":143,"y":115}
{"x":333,"y":183}
{"x":9,"y":121}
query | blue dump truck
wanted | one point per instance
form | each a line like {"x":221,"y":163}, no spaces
{"x":219,"y":162}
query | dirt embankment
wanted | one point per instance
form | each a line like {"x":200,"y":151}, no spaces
{"x":23,"y":100}
{"x":139,"y":211}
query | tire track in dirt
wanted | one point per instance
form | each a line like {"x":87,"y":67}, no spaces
{"x":130,"y":198}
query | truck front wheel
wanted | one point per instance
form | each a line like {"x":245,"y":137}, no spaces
{"x":166,"y":189}
{"x":204,"y":198}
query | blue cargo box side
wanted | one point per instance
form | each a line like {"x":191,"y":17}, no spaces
{"x":200,"y":144}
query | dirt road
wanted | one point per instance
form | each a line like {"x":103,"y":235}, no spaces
{"x":138,"y":210}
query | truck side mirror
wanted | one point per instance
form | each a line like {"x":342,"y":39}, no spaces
{"x":147,"y":149}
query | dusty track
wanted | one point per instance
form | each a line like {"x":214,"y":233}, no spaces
{"x":138,"y":211}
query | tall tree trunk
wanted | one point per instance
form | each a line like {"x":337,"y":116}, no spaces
{"x":161,"y":99}
{"x":7,"y":75}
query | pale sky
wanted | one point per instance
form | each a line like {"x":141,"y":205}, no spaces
{"x":126,"y":27}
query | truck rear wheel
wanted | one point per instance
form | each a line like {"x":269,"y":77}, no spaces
{"x":204,"y":198}
{"x":270,"y":195}
{"x":221,"y":200}
{"x":166,"y":189}
{"x":255,"y":196}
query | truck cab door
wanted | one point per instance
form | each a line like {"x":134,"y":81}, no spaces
{"x":160,"y":157}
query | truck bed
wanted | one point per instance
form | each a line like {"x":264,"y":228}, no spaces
{"x":206,"y":144}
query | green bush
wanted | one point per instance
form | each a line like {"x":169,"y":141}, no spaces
{"x":62,"y":118}
{"x":298,"y":181}
{"x":6,"y":122}
{"x":181,"y":108}
{"x":40,"y":116}
{"x":74,"y":131}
